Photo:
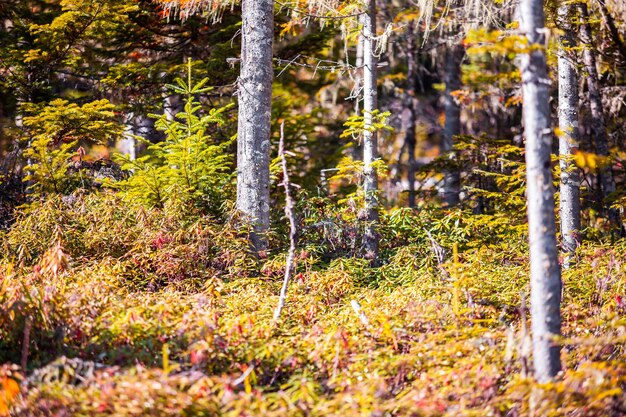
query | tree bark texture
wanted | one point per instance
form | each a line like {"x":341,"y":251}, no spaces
{"x":127,"y":144}
{"x":569,"y":137}
{"x":357,"y":149}
{"x":610,"y":23}
{"x":545,"y":273}
{"x":255,"y":99}
{"x":598,"y":126}
{"x":370,"y":137}
{"x":452,"y":127}
{"x":411,"y":104}
{"x":172,"y":105}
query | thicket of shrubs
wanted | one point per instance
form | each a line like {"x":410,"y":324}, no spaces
{"x":178,"y":316}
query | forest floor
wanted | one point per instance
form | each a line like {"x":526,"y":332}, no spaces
{"x":131,"y":312}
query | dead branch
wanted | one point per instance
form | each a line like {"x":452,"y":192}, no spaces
{"x":289,"y":213}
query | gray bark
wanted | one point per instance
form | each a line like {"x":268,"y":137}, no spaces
{"x":598,"y":126}
{"x":358,"y":78}
{"x":127,"y":145}
{"x":610,"y":23}
{"x":356,"y":150}
{"x":136,"y":125}
{"x":19,"y":118}
{"x":411,"y":103}
{"x":255,"y":106}
{"x":451,"y":183}
{"x":569,"y":138}
{"x":144,"y":126}
{"x":545,"y":273}
{"x":172,"y":105}
{"x":370,"y":137}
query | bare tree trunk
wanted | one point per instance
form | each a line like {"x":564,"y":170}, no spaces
{"x":255,"y":106}
{"x":569,"y":137}
{"x":610,"y":23}
{"x":127,"y":144}
{"x":452,"y":127}
{"x":144,"y":126}
{"x":28,"y":326}
{"x":598,"y":126}
{"x":19,"y":117}
{"x":411,"y":103}
{"x":356,"y":149}
{"x":172,"y":105}
{"x":370,"y":137}
{"x":358,"y":79}
{"x":545,"y":273}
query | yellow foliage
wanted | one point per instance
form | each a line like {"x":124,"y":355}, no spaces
{"x":591,"y":161}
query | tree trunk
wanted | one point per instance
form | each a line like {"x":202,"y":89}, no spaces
{"x":545,"y":273}
{"x":411,"y":104}
{"x":569,"y":137}
{"x":598,"y":126}
{"x":610,"y":23}
{"x":172,"y":105}
{"x":255,"y":100}
{"x":452,"y":126}
{"x":127,"y":144}
{"x":370,"y":140}
{"x":356,"y":150}
{"x":358,"y":78}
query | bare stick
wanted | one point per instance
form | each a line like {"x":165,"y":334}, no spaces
{"x":359,"y":313}
{"x":289,"y":212}
{"x":243,"y":376}
{"x":440,"y":254}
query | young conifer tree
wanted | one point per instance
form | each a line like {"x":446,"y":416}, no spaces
{"x":545,"y":272}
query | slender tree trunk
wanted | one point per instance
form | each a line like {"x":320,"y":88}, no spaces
{"x":610,"y":23}
{"x":411,"y":98}
{"x":172,"y":105}
{"x":598,"y":126}
{"x":358,"y":79}
{"x":452,"y":127}
{"x":255,"y":106}
{"x":545,"y":273}
{"x":569,"y":137}
{"x":19,"y":118}
{"x":370,"y":140}
{"x":127,"y":145}
{"x":144,"y":126}
{"x":356,"y":150}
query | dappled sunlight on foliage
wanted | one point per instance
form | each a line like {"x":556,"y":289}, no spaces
{"x":312,"y":208}
{"x":133,"y":289}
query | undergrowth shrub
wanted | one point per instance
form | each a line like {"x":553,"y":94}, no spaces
{"x":151,"y":245}
{"x":440,"y":337}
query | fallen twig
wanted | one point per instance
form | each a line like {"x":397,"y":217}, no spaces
{"x":289,"y":212}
